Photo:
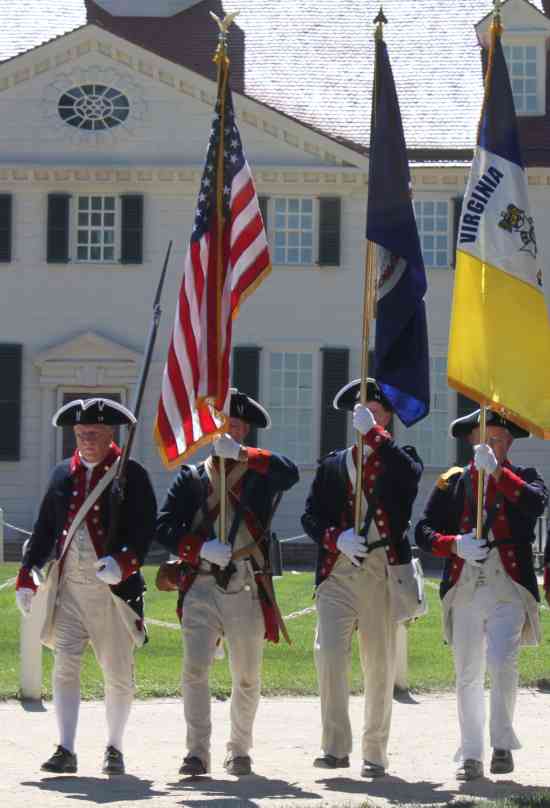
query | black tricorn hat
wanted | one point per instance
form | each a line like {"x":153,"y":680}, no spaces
{"x":245,"y":408}
{"x":93,"y":411}
{"x":462,"y":427}
{"x":348,"y":396}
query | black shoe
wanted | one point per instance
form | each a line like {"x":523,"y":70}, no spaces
{"x":192,"y":766}
{"x":502,"y":761}
{"x":369,"y":769}
{"x":61,"y":762}
{"x":238,"y":766}
{"x":113,"y":762}
{"x":471,"y":769}
{"x":331,"y":762}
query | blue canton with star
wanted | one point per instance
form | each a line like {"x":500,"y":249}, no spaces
{"x":233,"y":161}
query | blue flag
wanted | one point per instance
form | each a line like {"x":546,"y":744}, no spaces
{"x":401,"y":365}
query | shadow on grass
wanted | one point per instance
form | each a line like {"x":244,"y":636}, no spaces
{"x":399,"y":792}
{"x":99,"y":790}
{"x":514,"y":794}
{"x":393,"y":789}
{"x":242,"y":791}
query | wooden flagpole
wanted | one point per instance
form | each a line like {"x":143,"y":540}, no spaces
{"x":369,"y":303}
{"x":495,"y":31}
{"x":221,"y":59}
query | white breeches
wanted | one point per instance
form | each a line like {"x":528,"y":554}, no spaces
{"x":209,"y":613}
{"x":486,"y":635}
{"x":86,"y":613}
{"x":356,"y":598}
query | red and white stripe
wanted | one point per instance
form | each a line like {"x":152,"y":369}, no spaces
{"x":197,"y":368}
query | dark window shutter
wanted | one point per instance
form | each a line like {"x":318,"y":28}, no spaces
{"x":131,"y":231}
{"x":334,"y":427}
{"x":330,"y":214}
{"x":457,"y":213}
{"x":464,"y":405}
{"x":262,"y":202}
{"x":58,"y":228}
{"x":10,"y":401}
{"x":6,"y":201}
{"x":246,"y":377}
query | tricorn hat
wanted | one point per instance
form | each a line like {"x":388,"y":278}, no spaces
{"x":245,"y":408}
{"x":93,"y":411}
{"x":462,"y":427}
{"x":348,"y":396}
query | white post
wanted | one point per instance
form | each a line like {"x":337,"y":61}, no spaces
{"x":401,"y":672}
{"x":30,"y":656}
{"x":1,"y":536}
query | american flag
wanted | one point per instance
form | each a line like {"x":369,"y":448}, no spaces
{"x":227,"y":258}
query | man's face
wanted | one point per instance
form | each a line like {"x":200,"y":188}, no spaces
{"x":238,"y":429}
{"x":93,"y":441}
{"x":382,"y":416}
{"x":498,"y":438}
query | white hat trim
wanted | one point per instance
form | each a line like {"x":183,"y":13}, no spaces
{"x":89,"y":402}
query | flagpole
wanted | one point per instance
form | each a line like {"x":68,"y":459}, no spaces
{"x":481,"y":473}
{"x":496,"y":30}
{"x":222,"y":61}
{"x":369,"y":301}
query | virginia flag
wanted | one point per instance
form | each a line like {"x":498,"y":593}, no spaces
{"x":401,"y":345}
{"x":499,"y":340}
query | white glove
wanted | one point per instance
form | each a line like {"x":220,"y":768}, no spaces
{"x":108,"y":570}
{"x":484,"y":458}
{"x":225,"y":446}
{"x":23,"y":599}
{"x":216,"y":552}
{"x":472,"y":550}
{"x":352,"y":546}
{"x":363,"y":419}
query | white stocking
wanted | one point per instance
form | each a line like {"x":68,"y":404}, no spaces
{"x":117,"y":708}
{"x":66,"y":697}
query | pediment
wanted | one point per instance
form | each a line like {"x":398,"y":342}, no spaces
{"x":519,"y":18}
{"x":88,"y":347}
{"x":164,"y":96}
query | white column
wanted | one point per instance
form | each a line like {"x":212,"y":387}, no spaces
{"x":401,"y":668}
{"x":30,"y":677}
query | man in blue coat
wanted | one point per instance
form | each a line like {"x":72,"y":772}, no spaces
{"x":223,"y":592}
{"x":489,"y":588}
{"x":352,"y":577}
{"x":97,"y":591}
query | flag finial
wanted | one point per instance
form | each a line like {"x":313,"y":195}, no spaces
{"x":380,"y":20}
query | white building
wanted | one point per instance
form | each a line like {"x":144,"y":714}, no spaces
{"x":105,"y":112}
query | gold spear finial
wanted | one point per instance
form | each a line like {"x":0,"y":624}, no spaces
{"x":496,"y":15}
{"x":380,"y":20}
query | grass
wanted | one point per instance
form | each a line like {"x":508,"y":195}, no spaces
{"x":286,"y":670}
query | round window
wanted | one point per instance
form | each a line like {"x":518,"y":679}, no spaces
{"x":93,"y":107}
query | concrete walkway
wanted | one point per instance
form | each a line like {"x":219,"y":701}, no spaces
{"x":424,"y":737}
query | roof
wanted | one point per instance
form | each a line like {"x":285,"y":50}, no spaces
{"x":311,"y":60}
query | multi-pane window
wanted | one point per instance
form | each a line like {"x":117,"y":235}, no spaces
{"x":522,"y":67}
{"x":291,"y":405}
{"x":430,"y":436}
{"x":293,"y":231}
{"x":96,"y":228}
{"x":432,"y":219}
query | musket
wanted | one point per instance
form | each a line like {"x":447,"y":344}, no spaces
{"x":119,"y":483}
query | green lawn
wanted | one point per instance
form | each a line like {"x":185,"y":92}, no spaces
{"x":286,"y":670}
